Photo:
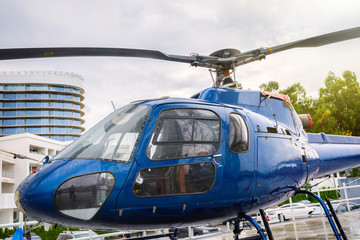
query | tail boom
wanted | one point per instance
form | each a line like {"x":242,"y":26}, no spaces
{"x":336,"y":153}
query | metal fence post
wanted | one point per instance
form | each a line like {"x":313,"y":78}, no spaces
{"x":21,"y":219}
{"x":346,"y":197}
{"x":292,"y":210}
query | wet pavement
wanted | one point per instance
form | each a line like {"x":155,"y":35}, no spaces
{"x":310,"y":228}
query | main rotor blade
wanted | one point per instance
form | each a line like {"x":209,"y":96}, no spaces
{"x":23,"y":53}
{"x":319,"y":40}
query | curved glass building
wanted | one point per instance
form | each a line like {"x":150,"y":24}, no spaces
{"x":45,"y":103}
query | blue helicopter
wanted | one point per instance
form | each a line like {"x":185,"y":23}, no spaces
{"x":171,"y":162}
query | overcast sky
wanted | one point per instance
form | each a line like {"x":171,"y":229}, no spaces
{"x":178,"y":27}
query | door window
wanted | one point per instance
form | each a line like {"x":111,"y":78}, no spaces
{"x":175,"y":180}
{"x":184,"y":133}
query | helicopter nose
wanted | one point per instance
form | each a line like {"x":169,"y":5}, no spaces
{"x":34,"y":197}
{"x":56,"y":193}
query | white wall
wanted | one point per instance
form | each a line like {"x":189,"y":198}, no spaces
{"x":17,"y":169}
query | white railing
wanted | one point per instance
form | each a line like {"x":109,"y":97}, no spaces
{"x":344,"y":198}
{"x":21,"y":224}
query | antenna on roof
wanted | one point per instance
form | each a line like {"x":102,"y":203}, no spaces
{"x":112,"y":103}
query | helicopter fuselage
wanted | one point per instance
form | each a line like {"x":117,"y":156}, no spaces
{"x":174,"y":162}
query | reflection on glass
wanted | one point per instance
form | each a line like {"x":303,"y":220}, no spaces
{"x":114,"y":138}
{"x":37,"y":87}
{"x":175,"y":180}
{"x":238,"y":134}
{"x":183,"y":133}
{"x":82,"y":197}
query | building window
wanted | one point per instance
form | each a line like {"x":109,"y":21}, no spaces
{"x":14,"y":96}
{"x":67,"y":89}
{"x":76,"y":90}
{"x":14,"y":122}
{"x":76,"y":98}
{"x":37,"y":95}
{"x":77,"y":130}
{"x":14,"y":104}
{"x":61,"y":121}
{"x":37,"y":87}
{"x":76,"y":106}
{"x":37,"y":104}
{"x":37,"y":121}
{"x":60,"y":113}
{"x":238,"y":134}
{"x":184,"y":133}
{"x":14,"y":87}
{"x":77,"y":122}
{"x":13,"y":130}
{"x":62,"y":138}
{"x":61,"y":96}
{"x":175,"y":180}
{"x":57,"y":88}
{"x":60,"y":105}
{"x":37,"y":113}
{"x":14,"y":113}
{"x":61,"y":130}
{"x":37,"y":130}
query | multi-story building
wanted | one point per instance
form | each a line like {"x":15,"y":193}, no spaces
{"x":45,"y":103}
{"x":19,"y":155}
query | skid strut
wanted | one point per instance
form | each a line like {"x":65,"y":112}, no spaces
{"x":237,"y":229}
{"x":330,"y":216}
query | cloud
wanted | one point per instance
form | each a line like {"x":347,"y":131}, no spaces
{"x":177,"y":28}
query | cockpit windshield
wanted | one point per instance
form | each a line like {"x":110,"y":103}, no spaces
{"x":114,"y":138}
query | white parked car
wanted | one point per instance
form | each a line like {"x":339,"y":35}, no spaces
{"x":338,"y":207}
{"x":299,"y":210}
{"x":77,"y":234}
{"x":271,"y":216}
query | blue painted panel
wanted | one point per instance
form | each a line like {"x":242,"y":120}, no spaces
{"x":280,"y":169}
{"x":239,"y":170}
{"x":337,"y":157}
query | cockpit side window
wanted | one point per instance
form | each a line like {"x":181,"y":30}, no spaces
{"x":184,"y":133}
{"x":238,"y":134}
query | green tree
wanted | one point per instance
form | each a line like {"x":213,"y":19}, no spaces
{"x":340,"y":104}
{"x":300,"y":101}
{"x":355,"y":172}
{"x":271,"y":86}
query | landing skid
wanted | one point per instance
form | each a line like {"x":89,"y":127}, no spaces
{"x":329,"y":212}
{"x":336,"y":226}
{"x":239,"y":224}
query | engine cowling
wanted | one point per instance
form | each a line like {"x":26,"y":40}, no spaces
{"x":306,"y":120}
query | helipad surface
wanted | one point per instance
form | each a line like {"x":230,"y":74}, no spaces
{"x":310,"y":228}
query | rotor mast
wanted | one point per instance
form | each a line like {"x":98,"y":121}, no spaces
{"x":223,"y":78}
